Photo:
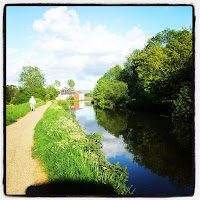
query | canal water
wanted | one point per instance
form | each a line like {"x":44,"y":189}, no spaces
{"x":157,"y":152}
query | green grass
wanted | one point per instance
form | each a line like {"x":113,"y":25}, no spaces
{"x":14,"y":112}
{"x":67,"y":153}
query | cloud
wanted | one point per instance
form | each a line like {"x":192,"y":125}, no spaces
{"x":64,"y":48}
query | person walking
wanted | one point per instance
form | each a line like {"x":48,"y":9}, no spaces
{"x":32,"y":103}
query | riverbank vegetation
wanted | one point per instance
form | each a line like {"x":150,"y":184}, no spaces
{"x":68,"y":154}
{"x":158,"y":77}
{"x":14,"y":112}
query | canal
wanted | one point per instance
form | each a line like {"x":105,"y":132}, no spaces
{"x":157,"y":152}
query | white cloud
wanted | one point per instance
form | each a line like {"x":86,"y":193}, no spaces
{"x":64,"y":48}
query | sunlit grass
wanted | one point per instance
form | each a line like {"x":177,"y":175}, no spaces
{"x":14,"y":112}
{"x":69,"y":154}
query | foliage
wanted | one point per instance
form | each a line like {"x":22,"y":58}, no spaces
{"x":57,"y":84}
{"x":110,"y":92}
{"x":31,"y":77}
{"x":47,"y":96}
{"x":89,"y":94}
{"x":156,"y":74}
{"x":183,"y":104}
{"x":65,"y":89}
{"x":51,"y":90}
{"x":71,"y":83}
{"x":24,"y":94}
{"x":14,"y":112}
{"x":113,"y":73}
{"x":31,"y":84}
{"x":70,"y":98}
{"x":10,"y":92}
{"x":67,"y":153}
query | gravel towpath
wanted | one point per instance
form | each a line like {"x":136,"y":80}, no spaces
{"x":21,"y":170}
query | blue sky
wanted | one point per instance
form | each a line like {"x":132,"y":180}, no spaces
{"x":82,"y":42}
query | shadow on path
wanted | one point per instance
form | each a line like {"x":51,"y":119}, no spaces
{"x":70,"y":188}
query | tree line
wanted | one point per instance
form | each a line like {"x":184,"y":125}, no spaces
{"x":158,"y":77}
{"x":32,"y":83}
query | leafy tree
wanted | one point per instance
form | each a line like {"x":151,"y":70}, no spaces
{"x":113,"y":73}
{"x":156,"y":74}
{"x":57,"y":84}
{"x":110,"y":93}
{"x":47,"y":96}
{"x":31,"y":77}
{"x":89,"y":94}
{"x":10,"y":92}
{"x":31,"y":84}
{"x":66,"y":89}
{"x":24,"y":94}
{"x":71,"y":84}
{"x":51,"y":90}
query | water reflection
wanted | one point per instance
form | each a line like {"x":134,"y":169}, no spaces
{"x":153,"y":142}
{"x":158,"y":153}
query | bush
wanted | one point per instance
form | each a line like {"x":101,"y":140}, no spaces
{"x":70,"y":98}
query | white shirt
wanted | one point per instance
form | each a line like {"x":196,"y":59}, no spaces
{"x":32,"y":100}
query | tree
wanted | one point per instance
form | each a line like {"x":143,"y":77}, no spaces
{"x":156,"y":74}
{"x":31,"y":84}
{"x":51,"y":91}
{"x":57,"y":84}
{"x":71,"y":84}
{"x":113,"y":73}
{"x":31,"y":77}
{"x":109,"y":93}
{"x":10,"y":92}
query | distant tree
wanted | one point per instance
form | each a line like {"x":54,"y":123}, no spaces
{"x":31,"y":77}
{"x":10,"y":92}
{"x":57,"y":84}
{"x":65,"y":89}
{"x":109,"y":93}
{"x":31,"y":82}
{"x":71,"y":84}
{"x":51,"y":91}
{"x":89,"y":94}
{"x":47,"y":96}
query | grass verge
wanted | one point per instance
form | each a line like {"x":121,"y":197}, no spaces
{"x":14,"y":112}
{"x":68,"y":154}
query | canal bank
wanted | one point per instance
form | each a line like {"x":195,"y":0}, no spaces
{"x":72,"y":159}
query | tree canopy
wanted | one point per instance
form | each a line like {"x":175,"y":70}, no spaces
{"x":31,"y":77}
{"x":32,"y":82}
{"x":71,"y":83}
{"x":157,"y":77}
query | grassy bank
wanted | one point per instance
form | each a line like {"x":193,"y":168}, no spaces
{"x":69,"y":155}
{"x":14,"y":112}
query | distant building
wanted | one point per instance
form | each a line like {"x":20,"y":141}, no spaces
{"x":64,"y":95}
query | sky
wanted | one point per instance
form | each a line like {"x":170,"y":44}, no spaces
{"x":82,"y":42}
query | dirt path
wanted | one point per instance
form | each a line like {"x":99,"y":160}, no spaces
{"x":21,"y":170}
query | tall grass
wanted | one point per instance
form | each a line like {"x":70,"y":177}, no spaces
{"x":14,"y":112}
{"x":67,"y":153}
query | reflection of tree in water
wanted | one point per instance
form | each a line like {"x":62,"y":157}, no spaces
{"x":113,"y":122}
{"x":155,"y":145}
